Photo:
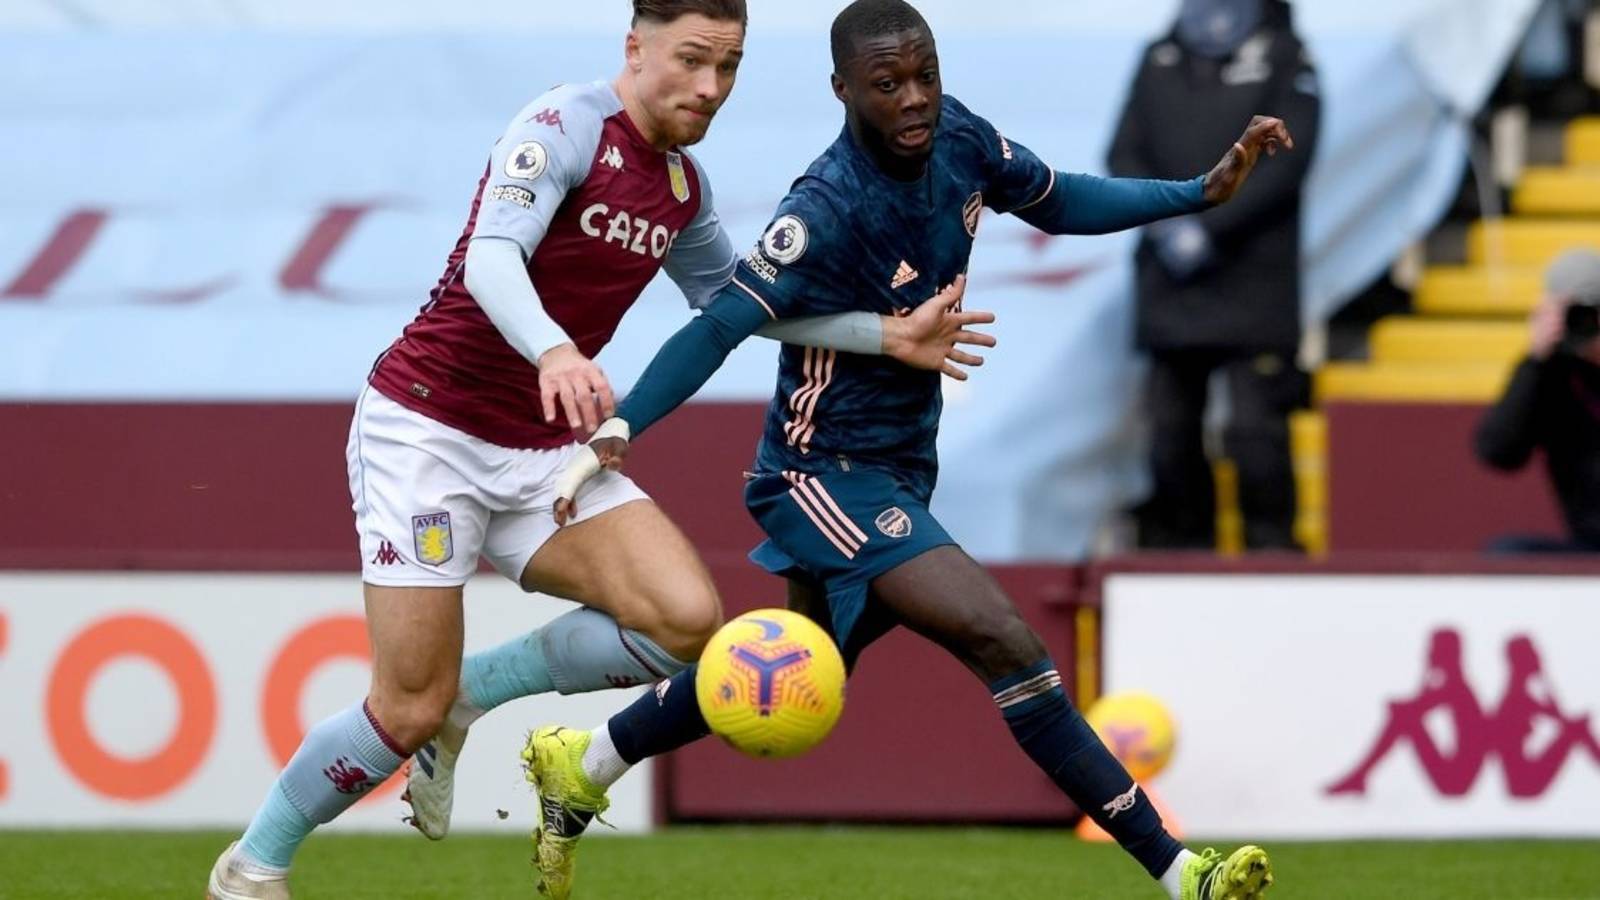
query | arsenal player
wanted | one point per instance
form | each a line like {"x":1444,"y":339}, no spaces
{"x":468,"y":419}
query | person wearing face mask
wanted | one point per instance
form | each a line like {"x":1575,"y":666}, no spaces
{"x":1552,"y":403}
{"x":1220,"y":290}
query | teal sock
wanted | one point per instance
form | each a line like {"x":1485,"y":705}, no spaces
{"x":513,"y":669}
{"x":276,"y":832}
{"x":342,"y":758}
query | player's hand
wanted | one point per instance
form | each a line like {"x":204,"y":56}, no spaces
{"x":1265,"y":133}
{"x":931,"y":336}
{"x":608,"y":449}
{"x":1547,"y":325}
{"x":573,"y":380}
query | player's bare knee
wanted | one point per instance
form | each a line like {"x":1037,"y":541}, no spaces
{"x":689,"y":621}
{"x":410,"y":718}
{"x":1000,"y":643}
{"x":679,"y":619}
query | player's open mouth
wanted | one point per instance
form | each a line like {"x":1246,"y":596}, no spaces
{"x":914,"y":137}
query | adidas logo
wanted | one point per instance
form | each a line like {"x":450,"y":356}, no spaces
{"x":903,"y":275}
{"x":612,"y":157}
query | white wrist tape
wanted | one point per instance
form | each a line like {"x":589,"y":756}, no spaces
{"x":585,"y":464}
{"x":614,"y":427}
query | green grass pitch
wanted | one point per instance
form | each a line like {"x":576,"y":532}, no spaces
{"x":756,"y":863}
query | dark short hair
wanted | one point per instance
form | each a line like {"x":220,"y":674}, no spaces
{"x":866,"y":19}
{"x":665,"y":11}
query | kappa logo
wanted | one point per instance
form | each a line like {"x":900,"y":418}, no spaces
{"x":903,"y":276}
{"x":612,"y":157}
{"x":431,"y":533}
{"x":386,"y":555}
{"x":893,"y":522}
{"x":551,"y":117}
{"x":1481,"y":734}
{"x":1122,"y":802}
{"x":1005,"y":147}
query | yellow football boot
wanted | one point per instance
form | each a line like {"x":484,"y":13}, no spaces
{"x":1244,"y":875}
{"x":568,"y":801}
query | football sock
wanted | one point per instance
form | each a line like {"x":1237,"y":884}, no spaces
{"x":513,"y":669}
{"x":341,"y":758}
{"x":660,"y":720}
{"x":602,"y":764}
{"x":1061,"y":743}
{"x":1171,"y":879}
{"x":584,"y":650}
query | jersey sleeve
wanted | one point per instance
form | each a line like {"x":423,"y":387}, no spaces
{"x":1017,"y":179}
{"x":702,"y":258}
{"x":800,"y":266}
{"x":544,"y":153}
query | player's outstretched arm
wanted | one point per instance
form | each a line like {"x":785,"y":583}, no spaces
{"x":932,"y":336}
{"x":702,"y":263}
{"x":1265,"y":133}
{"x":1086,"y":204}
{"x":680,"y":368}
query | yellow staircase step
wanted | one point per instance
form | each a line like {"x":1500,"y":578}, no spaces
{"x":1583,"y":141}
{"x":1479,"y":382}
{"x":1571,"y":191}
{"x":1478,"y":291}
{"x":1528,"y":242}
{"x":1419,"y":339}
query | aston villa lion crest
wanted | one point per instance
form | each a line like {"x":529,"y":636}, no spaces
{"x":434,"y":543}
{"x":680,"y":181}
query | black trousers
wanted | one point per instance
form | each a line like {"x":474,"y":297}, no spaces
{"x":1263,"y":388}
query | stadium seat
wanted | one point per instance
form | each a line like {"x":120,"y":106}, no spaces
{"x":1420,"y":339}
{"x":1478,"y":291}
{"x":1551,"y":191}
{"x":1583,"y":142}
{"x":1528,"y":242}
{"x":1230,"y":520}
{"x":1464,"y":382}
{"x":1308,"y":448}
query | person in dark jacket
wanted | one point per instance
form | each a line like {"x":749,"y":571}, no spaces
{"x":1220,"y":290}
{"x":1553,"y":404}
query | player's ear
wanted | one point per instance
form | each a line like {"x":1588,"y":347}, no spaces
{"x":633,"y":50}
{"x":838,"y":87}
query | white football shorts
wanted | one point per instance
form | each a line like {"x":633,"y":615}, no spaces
{"x":429,"y":499}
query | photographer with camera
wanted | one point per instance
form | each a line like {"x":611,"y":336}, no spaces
{"x":1553,"y":403}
